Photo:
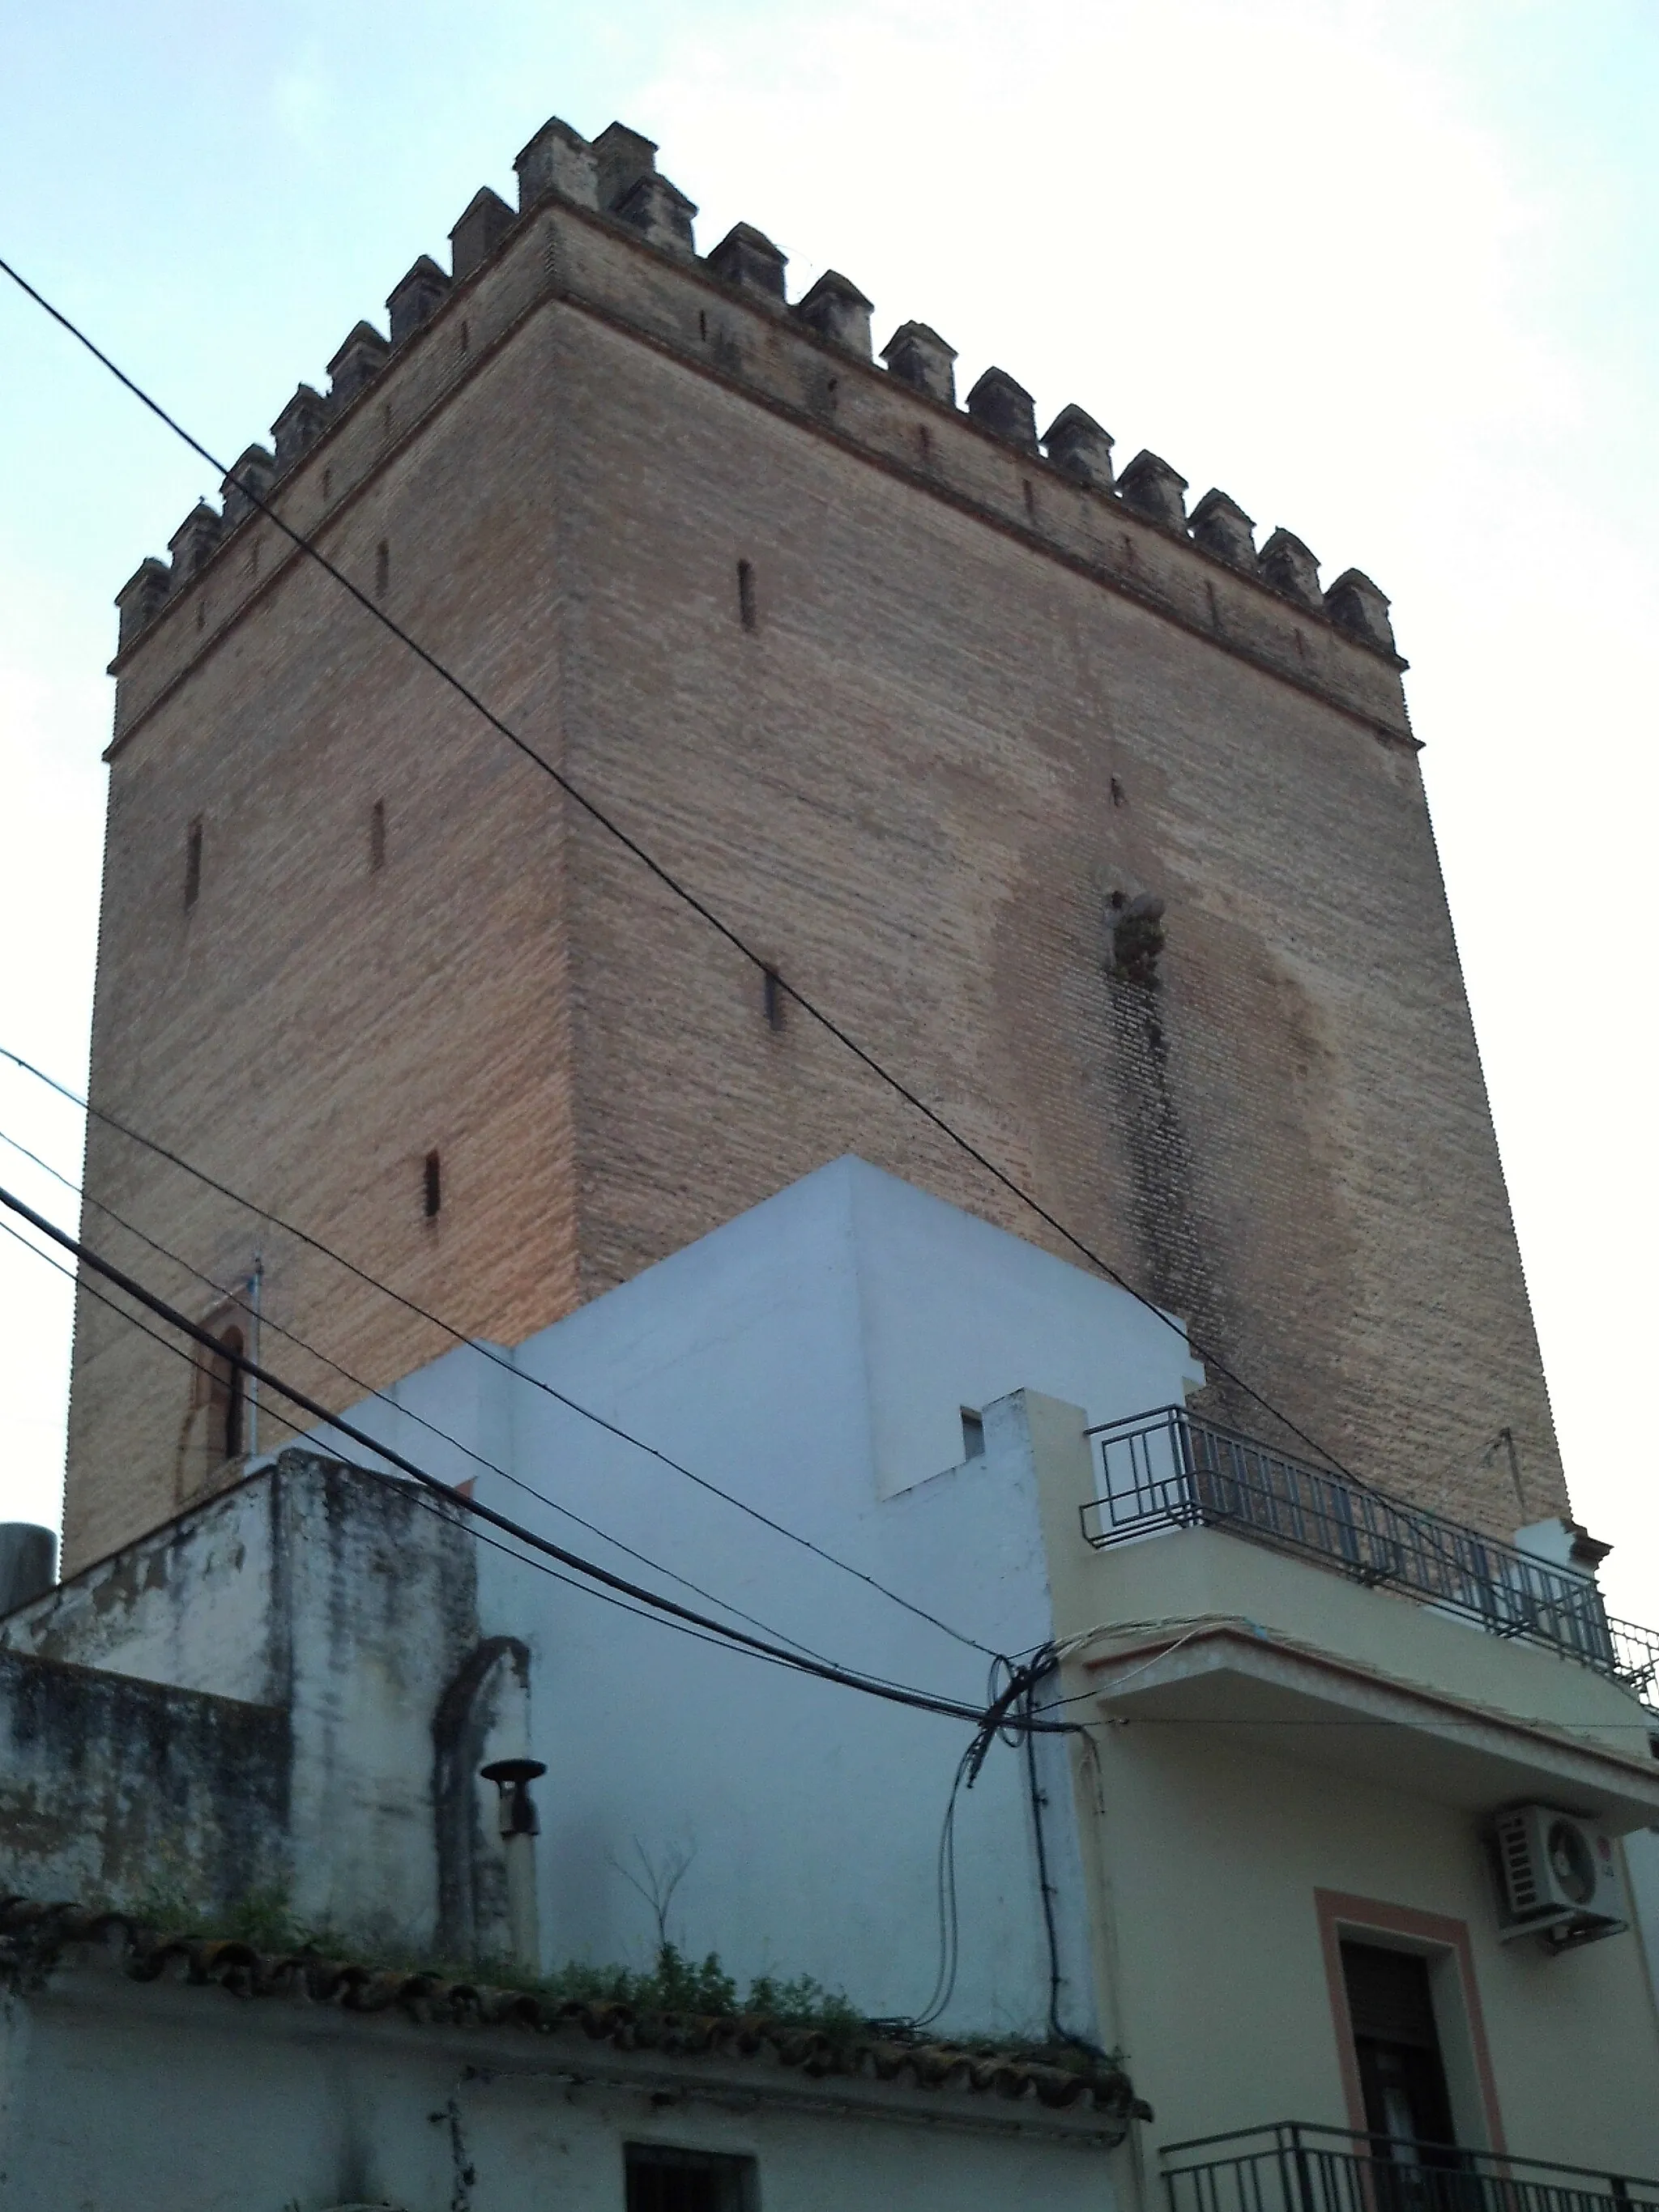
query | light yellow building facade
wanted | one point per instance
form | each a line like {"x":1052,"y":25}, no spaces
{"x":1290,"y":1762}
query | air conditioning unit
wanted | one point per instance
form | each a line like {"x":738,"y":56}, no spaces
{"x":1558,"y":1877}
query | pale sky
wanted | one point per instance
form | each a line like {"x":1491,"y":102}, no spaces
{"x":1384,"y":272}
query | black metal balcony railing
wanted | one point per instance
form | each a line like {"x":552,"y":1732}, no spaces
{"x":1294,"y":2167}
{"x":1173,"y":1469}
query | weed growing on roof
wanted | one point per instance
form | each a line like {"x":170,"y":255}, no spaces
{"x":263,"y":1918}
{"x":675,"y":1984}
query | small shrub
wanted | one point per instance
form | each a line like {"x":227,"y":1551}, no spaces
{"x":804,"y":2002}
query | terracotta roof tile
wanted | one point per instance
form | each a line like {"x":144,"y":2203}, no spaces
{"x":33,"y":1935}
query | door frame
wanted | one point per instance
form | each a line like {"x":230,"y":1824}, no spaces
{"x":1445,"y":1942}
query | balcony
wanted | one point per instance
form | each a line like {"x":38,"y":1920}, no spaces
{"x":1292,"y":2166}
{"x":1171,"y":1469}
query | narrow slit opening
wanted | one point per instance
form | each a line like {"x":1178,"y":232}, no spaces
{"x":227,"y":1398}
{"x":193,"y":863}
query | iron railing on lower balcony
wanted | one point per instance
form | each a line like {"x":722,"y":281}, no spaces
{"x":1172,"y":1468}
{"x":1292,"y":2166}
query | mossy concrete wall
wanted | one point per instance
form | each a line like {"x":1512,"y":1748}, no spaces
{"x":126,"y":1791}
{"x":246,"y":1698}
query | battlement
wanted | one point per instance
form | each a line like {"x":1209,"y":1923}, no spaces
{"x":613,"y":183}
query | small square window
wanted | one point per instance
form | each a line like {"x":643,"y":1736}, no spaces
{"x":664,"y":2179}
{"x":973,"y":1434}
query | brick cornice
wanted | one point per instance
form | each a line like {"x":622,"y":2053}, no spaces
{"x":540,"y":228}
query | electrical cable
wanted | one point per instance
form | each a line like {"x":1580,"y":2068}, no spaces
{"x":103,"y":1298}
{"x":949,"y":1918}
{"x":574,"y":1405}
{"x":1018,"y":1694}
{"x":651,"y":1612}
{"x":408,"y":1413}
{"x":847,"y":1678}
{"x":907,"y":2027}
{"x":776,"y":981}
{"x":991,"y":1723}
{"x":530,"y":1490}
{"x":487,"y":1351}
{"x":719,"y":1641}
{"x":945,"y":1875}
{"x":1649,"y":1727}
{"x":1057,"y":2028}
{"x":671,"y":883}
{"x":1000,"y":1699}
{"x":415,"y":1496}
{"x":1074,"y":1642}
{"x":1206,"y":1624}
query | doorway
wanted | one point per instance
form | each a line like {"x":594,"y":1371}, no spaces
{"x":1402,"y":2072}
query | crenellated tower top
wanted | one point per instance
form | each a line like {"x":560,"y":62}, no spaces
{"x":614,"y":180}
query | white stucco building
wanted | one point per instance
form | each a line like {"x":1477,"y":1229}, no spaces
{"x":154,"y":2076}
{"x":1260,"y":1868}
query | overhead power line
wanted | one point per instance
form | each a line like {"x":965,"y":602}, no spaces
{"x":994,"y":1718}
{"x":475,"y":1510}
{"x":416,"y":1496}
{"x":992,"y":1723}
{"x":762,"y":963}
{"x":487,"y":1352}
{"x":264,"y":1320}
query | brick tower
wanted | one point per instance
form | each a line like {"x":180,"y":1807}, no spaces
{"x":1100,"y":825}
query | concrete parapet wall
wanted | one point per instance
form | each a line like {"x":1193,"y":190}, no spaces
{"x":120,"y":1790}
{"x":297,"y":1592}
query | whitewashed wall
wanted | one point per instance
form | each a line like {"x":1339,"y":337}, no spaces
{"x":813,"y":1358}
{"x":341,"y":1610}
{"x":162,"y":2097}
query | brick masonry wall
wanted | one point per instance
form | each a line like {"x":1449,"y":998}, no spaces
{"x":313,"y":1027}
{"x":915,"y":784}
